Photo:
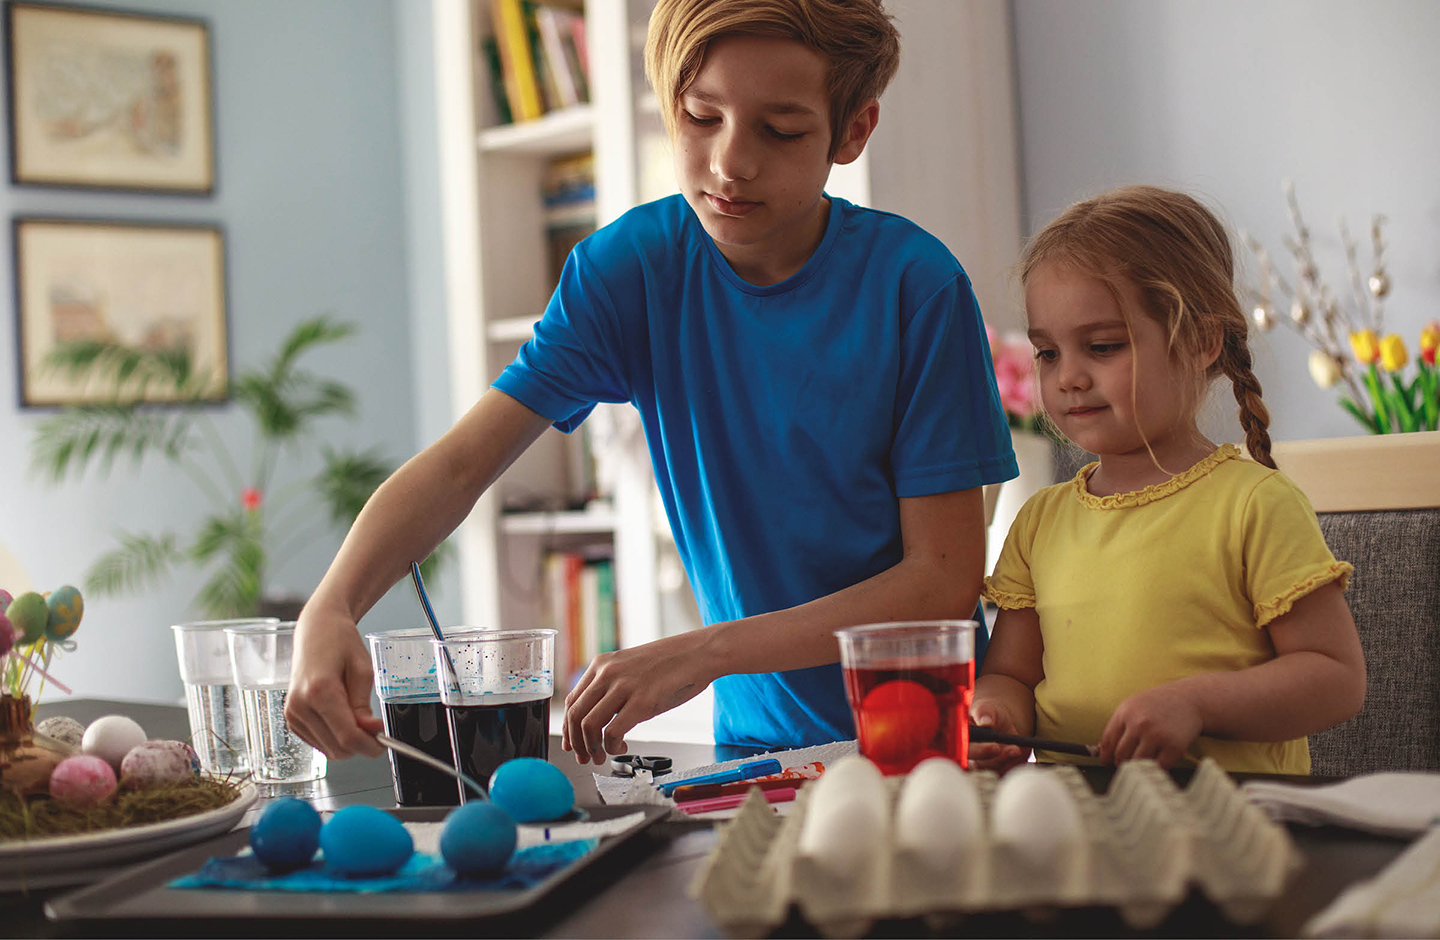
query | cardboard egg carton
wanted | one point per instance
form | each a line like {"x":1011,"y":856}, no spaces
{"x":1141,"y":847}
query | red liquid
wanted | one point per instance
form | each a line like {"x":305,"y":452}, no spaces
{"x":906,"y":713}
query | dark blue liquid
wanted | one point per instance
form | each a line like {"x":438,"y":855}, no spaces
{"x":420,"y":724}
{"x":486,"y":736}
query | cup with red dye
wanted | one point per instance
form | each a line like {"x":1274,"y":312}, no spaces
{"x":910,"y":685}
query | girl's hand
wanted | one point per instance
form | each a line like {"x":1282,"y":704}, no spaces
{"x":1159,"y":723}
{"x":991,"y":756}
{"x":328,"y":704}
{"x":621,"y":689}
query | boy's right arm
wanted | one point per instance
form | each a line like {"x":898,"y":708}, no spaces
{"x":1005,"y":691}
{"x":408,"y":516}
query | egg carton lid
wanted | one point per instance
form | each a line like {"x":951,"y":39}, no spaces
{"x":1143,"y":846}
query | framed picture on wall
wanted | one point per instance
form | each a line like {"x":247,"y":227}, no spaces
{"x":105,"y":99}
{"x":150,"y":294}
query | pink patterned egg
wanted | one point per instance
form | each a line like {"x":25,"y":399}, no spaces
{"x":82,"y":780}
{"x":156,"y":763}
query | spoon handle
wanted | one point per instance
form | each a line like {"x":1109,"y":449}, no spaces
{"x":986,"y":734}
{"x":415,"y":753}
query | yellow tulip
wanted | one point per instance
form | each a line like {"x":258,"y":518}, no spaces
{"x":1393,"y":354}
{"x":1366,"y":346}
{"x":1430,"y":341}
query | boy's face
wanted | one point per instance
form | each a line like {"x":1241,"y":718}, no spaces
{"x":752,"y":146}
{"x":1108,"y":388}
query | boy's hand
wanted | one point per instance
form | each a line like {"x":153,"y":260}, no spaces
{"x":988,"y":755}
{"x":1159,"y":723}
{"x":330,"y":675}
{"x":621,"y":689}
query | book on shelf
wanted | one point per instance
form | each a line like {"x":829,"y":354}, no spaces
{"x":542,"y":60}
{"x":567,"y":191}
{"x":579,"y":604}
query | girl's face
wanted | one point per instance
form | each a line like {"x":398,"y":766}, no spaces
{"x":752,"y":152}
{"x":1108,"y":387}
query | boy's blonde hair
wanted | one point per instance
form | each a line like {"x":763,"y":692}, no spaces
{"x":1178,"y":256}
{"x":855,"y":36}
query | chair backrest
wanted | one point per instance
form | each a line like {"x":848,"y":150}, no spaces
{"x":1395,"y":597}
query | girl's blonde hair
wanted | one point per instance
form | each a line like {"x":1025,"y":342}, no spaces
{"x":1178,"y":256}
{"x":855,"y":36}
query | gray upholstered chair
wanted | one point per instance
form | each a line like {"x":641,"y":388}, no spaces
{"x":1395,"y":597}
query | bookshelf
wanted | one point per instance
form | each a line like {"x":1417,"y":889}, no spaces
{"x":955,"y":173}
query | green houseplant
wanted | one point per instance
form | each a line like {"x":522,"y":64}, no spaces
{"x":262,"y":515}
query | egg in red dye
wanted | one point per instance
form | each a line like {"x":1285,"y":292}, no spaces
{"x":898,"y":719}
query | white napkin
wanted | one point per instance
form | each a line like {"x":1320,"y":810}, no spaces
{"x":1402,"y":901}
{"x":1391,"y":804}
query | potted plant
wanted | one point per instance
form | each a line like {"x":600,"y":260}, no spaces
{"x":254,"y":526}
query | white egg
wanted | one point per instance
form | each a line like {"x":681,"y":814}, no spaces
{"x":846,"y":820}
{"x":1034,"y":812}
{"x":938,"y":815}
{"x":110,"y":738}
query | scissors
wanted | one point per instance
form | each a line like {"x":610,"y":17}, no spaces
{"x":626,"y":765}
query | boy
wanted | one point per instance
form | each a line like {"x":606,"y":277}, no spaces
{"x":813,"y":379}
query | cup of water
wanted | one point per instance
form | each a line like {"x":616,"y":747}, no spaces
{"x":217,"y":723}
{"x":260,"y":662}
{"x":409,"y":693}
{"x":496,"y":686}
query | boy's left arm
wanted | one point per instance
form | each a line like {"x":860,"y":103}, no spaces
{"x":938,"y":577}
{"x":1316,"y":680}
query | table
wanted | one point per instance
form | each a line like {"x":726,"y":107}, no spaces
{"x":645,"y":894}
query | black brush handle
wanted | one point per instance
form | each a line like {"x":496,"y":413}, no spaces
{"x":991,"y":736}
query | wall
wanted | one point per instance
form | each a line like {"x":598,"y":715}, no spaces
{"x":311,"y":199}
{"x":1226,"y":99}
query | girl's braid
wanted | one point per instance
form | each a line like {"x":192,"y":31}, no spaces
{"x":1235,"y":362}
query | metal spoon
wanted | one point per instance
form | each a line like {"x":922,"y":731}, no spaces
{"x":414,"y":753}
{"x":419,"y":583}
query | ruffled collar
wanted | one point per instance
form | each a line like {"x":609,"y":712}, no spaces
{"x":1154,"y":491}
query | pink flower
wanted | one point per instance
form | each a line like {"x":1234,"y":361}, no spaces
{"x":1014,"y":375}
{"x":251,"y":499}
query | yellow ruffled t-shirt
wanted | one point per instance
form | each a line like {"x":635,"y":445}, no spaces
{"x":1139,"y":589}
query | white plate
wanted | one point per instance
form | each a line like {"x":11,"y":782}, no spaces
{"x":68,"y":860}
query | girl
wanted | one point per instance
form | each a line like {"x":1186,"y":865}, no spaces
{"x":1174,"y":600}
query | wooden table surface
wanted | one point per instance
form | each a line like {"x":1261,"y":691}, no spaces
{"x":643,"y":892}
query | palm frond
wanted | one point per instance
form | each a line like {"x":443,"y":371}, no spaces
{"x":308,"y":333}
{"x":231,"y":533}
{"x":348,"y":480}
{"x":139,"y":561}
{"x":74,"y":437}
{"x":127,"y":368}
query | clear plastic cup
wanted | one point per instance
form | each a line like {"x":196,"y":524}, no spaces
{"x":496,"y":686}
{"x":260,"y":661}
{"x":217,"y":721}
{"x":409,"y":693}
{"x":910,"y":685}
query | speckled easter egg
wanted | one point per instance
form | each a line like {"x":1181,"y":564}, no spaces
{"x":154,"y":764}
{"x":286,"y":834}
{"x":29,"y":615}
{"x":110,"y":738}
{"x":62,"y":728}
{"x":531,"y":790}
{"x":362,"y":841}
{"x":478,"y":838}
{"x":64,"y":608}
{"x":7,"y":633}
{"x":81,"y":780}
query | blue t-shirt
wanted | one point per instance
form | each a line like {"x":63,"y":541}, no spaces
{"x":783,"y":422}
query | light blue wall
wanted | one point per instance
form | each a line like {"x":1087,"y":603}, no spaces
{"x":311,"y":195}
{"x":1226,"y":98}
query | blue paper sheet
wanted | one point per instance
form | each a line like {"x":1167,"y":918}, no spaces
{"x":527,"y":867}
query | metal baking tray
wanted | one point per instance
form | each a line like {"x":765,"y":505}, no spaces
{"x":138,"y":902}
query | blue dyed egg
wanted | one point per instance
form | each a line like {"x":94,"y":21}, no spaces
{"x":65,"y":608}
{"x":531,"y":790}
{"x":286,"y":834}
{"x":362,"y":841}
{"x":478,"y":838}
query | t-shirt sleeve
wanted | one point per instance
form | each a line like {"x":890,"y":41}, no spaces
{"x":951,"y":432}
{"x":1012,"y":585}
{"x":1285,"y":552}
{"x":574,"y":358}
